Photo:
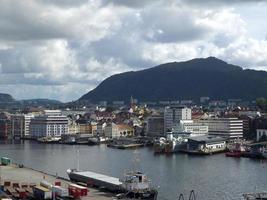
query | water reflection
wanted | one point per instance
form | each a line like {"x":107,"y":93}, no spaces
{"x":212,"y":177}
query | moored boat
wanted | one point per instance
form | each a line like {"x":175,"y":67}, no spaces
{"x":159,"y":145}
{"x":236,"y":150}
{"x":134,"y":185}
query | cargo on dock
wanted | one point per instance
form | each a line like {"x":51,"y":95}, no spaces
{"x":28,"y":177}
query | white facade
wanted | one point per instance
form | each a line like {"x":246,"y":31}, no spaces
{"x":190,"y":126}
{"x":27,"y":121}
{"x":225,"y":127}
{"x":173,"y":114}
{"x":51,"y":124}
{"x":111,"y":131}
{"x":261,"y":133}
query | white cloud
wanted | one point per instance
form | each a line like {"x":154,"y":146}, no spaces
{"x":62,"y":49}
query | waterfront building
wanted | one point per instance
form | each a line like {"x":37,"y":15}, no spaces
{"x":261,"y":134}
{"x":173,"y":114}
{"x":17,"y":125}
{"x":225,"y":127}
{"x":27,"y":121}
{"x":73,"y":128}
{"x":100,"y":127}
{"x":20,"y":125}
{"x":189,"y":126}
{"x":50,"y":124}
{"x":155,"y":126}
{"x":206,"y":144}
{"x":5,"y":125}
{"x":113,"y":130}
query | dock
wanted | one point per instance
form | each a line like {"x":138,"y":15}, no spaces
{"x":125,"y":146}
{"x":26,"y":175}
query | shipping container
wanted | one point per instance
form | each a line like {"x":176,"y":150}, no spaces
{"x":59,"y":191}
{"x":46,"y":184}
{"x":40,"y":192}
{"x":5,"y":161}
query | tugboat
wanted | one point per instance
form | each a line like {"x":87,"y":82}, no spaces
{"x":137,"y":186}
{"x":236,"y":151}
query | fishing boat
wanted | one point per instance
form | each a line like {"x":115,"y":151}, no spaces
{"x":50,"y":140}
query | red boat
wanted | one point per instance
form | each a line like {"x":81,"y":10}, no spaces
{"x":236,"y":151}
{"x":236,"y":154}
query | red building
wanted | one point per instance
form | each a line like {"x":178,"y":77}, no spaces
{"x":5,"y":125}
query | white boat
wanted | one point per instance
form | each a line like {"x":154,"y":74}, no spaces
{"x":97,"y":140}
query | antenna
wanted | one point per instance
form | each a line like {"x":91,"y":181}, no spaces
{"x":78,"y":159}
{"x":136,"y":160}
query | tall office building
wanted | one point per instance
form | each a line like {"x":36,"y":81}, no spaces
{"x":173,"y":115}
{"x":225,"y":127}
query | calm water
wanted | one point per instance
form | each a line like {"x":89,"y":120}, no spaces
{"x":212,"y":177}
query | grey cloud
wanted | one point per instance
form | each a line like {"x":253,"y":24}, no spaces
{"x":219,"y":2}
{"x":172,"y":25}
{"x":65,"y":3}
{"x":131,"y":3}
{"x":15,"y":25}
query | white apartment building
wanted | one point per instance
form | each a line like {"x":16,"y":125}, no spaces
{"x":27,"y":121}
{"x":189,"y":126}
{"x":50,"y":124}
{"x":261,"y":133}
{"x":225,"y":127}
{"x":173,"y":114}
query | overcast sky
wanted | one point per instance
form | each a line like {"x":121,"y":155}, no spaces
{"x":61,"y":49}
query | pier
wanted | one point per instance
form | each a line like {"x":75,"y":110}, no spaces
{"x":15,"y":174}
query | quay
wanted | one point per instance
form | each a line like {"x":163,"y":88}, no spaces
{"x":14,"y":173}
{"x":125,"y":146}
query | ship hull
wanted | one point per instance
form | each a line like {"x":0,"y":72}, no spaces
{"x":148,"y":195}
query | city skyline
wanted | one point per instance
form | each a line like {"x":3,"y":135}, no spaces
{"x":63,"y":49}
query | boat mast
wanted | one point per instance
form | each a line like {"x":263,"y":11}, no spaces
{"x":78,"y":159}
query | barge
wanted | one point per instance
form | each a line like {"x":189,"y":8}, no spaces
{"x":134,"y":186}
{"x":96,"y":180}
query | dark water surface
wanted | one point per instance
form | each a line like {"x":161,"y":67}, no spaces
{"x":212,"y":177}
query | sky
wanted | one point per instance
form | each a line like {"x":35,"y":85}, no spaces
{"x":61,"y":49}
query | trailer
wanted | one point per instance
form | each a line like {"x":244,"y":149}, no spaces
{"x":40,"y":192}
{"x":59,"y":191}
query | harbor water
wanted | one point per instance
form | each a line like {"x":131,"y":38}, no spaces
{"x":211,"y":177}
